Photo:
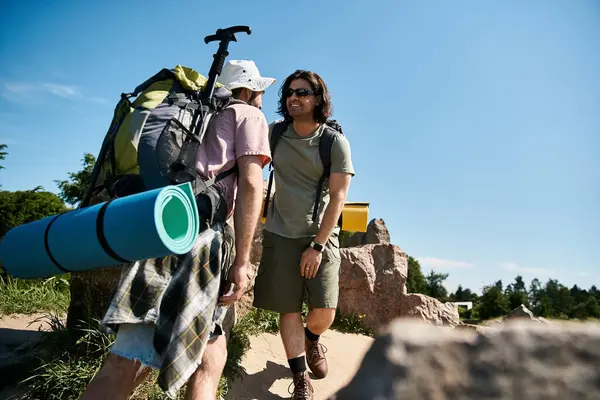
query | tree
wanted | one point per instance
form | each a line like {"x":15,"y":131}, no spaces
{"x":592,"y":307}
{"x":463,"y":295}
{"x":517,"y":294}
{"x":535,"y":295}
{"x":3,"y":154}
{"x":21,"y":207}
{"x":415,"y":282}
{"x":435,"y":285}
{"x":560,"y":299}
{"x":493,"y":302}
{"x":18,"y":208}
{"x":344,"y":237}
{"x":73,"y":190}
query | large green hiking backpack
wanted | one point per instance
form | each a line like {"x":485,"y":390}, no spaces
{"x":156,"y":131}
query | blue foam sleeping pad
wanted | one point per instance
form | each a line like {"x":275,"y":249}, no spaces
{"x":152,"y":224}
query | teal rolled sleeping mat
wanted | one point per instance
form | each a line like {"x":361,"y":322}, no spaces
{"x":151,"y":224}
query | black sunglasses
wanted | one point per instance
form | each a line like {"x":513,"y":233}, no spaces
{"x":300,"y":92}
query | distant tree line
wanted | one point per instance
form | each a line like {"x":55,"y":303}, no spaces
{"x":549,"y":300}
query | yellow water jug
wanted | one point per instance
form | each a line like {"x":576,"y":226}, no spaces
{"x":354,"y":218}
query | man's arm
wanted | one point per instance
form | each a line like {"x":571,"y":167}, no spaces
{"x":342,"y":172}
{"x":339,"y":183}
{"x":247,"y":205}
{"x":247,"y":210}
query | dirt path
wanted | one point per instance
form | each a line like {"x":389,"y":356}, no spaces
{"x":27,"y":322}
{"x":268,"y":374}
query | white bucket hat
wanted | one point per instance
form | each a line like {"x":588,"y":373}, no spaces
{"x":243,"y":74}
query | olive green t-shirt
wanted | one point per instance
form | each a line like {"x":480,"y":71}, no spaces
{"x":298,"y":168}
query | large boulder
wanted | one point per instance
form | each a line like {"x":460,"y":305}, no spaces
{"x":372,"y":281}
{"x":428,"y":309}
{"x":519,"y":360}
{"x":376,"y":233}
{"x":373,"y":287}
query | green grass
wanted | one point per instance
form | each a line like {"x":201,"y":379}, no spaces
{"x":351,"y":324}
{"x":71,"y":363}
{"x":33,"y":295}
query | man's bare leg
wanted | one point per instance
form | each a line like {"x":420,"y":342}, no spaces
{"x":117,"y":379}
{"x":291,"y":329}
{"x":204,"y":383}
{"x":292,"y":334}
{"x":319,"y":320}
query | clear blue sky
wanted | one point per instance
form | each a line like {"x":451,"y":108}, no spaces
{"x":474,"y":126}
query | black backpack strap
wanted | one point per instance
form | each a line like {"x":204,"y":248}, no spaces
{"x":325,"y":144}
{"x":276,"y":133}
{"x":329,"y":136}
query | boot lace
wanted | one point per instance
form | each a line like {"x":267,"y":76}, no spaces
{"x":300,"y":387}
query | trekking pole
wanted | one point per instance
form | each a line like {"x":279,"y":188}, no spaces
{"x":224,"y":36}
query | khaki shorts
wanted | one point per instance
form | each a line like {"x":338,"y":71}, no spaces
{"x":280,"y":287}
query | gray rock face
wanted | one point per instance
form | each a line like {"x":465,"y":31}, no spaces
{"x":376,"y":233}
{"x":372,"y":281}
{"x":521,"y":360}
{"x":416,"y":305}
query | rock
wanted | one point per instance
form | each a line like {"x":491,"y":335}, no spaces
{"x":376,"y":233}
{"x":256,"y":249}
{"x":472,"y":327}
{"x":428,"y":309}
{"x":21,"y":351}
{"x":520,"y":312}
{"x":244,"y":305}
{"x":372,"y":281}
{"x":519,"y":360}
{"x":493,"y":323}
{"x":230,"y":320}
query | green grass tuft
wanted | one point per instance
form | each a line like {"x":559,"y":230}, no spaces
{"x":33,"y":295}
{"x":351,"y":324}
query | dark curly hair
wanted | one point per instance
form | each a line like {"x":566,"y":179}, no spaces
{"x":323,"y":109}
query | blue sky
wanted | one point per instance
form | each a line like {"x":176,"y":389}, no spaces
{"x":474,"y":126}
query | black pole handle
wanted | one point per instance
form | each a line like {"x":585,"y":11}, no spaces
{"x":228,"y":34}
{"x":224,"y":36}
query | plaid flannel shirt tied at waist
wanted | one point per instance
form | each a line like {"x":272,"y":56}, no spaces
{"x":179,"y":295}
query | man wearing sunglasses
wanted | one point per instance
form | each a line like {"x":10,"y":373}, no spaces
{"x":300,"y":256}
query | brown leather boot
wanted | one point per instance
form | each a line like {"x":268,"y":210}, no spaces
{"x":303,"y":389}
{"x":315,"y":358}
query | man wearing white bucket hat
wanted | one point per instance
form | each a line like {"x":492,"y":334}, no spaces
{"x":243,"y":79}
{"x":236,"y":135}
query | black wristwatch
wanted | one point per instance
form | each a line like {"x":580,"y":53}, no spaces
{"x":317,"y":246}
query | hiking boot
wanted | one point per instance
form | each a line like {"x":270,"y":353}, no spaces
{"x":303,"y":389}
{"x":315,"y":358}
